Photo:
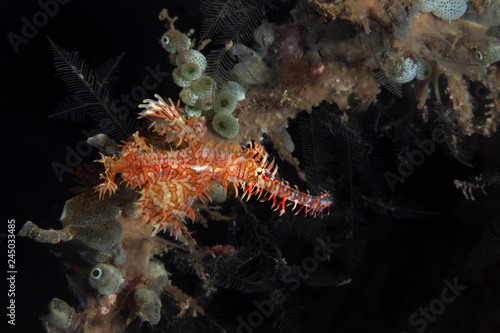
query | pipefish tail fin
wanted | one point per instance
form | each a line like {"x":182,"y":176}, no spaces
{"x":89,"y":91}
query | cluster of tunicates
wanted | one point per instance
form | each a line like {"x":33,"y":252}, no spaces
{"x":98,"y":234}
{"x":147,"y":298}
{"x":448,"y":10}
{"x":224,"y":122}
{"x":91,"y":225}
{"x":94,"y":228}
{"x":199,"y":91}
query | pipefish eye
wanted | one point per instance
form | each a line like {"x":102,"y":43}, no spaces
{"x":165,"y":40}
{"x":96,"y":273}
{"x":479,"y":55}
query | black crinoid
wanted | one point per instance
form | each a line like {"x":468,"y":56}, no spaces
{"x":352,"y":156}
{"x":89,"y":93}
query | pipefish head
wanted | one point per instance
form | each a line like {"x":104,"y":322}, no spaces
{"x":486,"y":55}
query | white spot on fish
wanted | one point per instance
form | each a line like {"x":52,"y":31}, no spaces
{"x":198,"y":168}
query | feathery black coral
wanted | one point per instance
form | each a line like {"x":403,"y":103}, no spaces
{"x":485,"y":179}
{"x":233,"y":20}
{"x":379,"y":72}
{"x":486,"y":252}
{"x":229,"y":21}
{"x":341,"y":154}
{"x":89,"y":91}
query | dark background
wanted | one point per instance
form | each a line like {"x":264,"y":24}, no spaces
{"x":405,"y":261}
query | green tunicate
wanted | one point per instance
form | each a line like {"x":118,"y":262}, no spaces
{"x":105,"y":239}
{"x":403,"y":71}
{"x":218,"y":193}
{"x":88,"y":211}
{"x":193,"y":111}
{"x":253,"y":71}
{"x":148,"y":305}
{"x":427,"y":5}
{"x":450,"y":10}
{"x":191,"y":56}
{"x":179,"y":79}
{"x":235,"y":89}
{"x":226,"y":125}
{"x":188,"y":97}
{"x":424,"y":69}
{"x":61,"y":316}
{"x":203,"y":86}
{"x":105,"y":278}
{"x":175,"y":41}
{"x":158,"y":283}
{"x":266,"y":34}
{"x":191,"y":71}
{"x":205,"y":103}
{"x":225,"y":102}
{"x":105,"y":145}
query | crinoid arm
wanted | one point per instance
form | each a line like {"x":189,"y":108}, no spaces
{"x":167,"y":119}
